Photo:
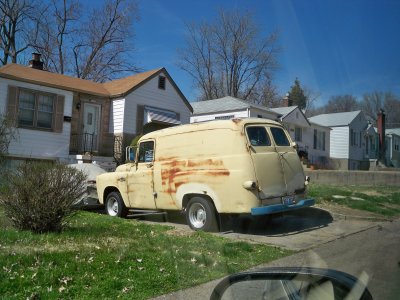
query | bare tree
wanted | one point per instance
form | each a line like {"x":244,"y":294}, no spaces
{"x":229,"y":57}
{"x":17,"y":26}
{"x":55,"y":33}
{"x":103,"y":46}
{"x":311,"y":99}
{"x":341,"y":103}
{"x":96,"y":45}
{"x":392,"y":110}
{"x":390,"y":103}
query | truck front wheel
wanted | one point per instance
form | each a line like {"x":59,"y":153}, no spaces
{"x":201,"y":215}
{"x":115,"y":206}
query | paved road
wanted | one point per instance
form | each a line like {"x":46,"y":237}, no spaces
{"x":374,"y":252}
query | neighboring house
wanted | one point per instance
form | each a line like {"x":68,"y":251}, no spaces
{"x":228,"y":108}
{"x":59,"y":117}
{"x":352,"y":139}
{"x":312,"y":139}
{"x":392,"y":140}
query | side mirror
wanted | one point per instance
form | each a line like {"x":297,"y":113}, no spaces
{"x":131,"y":153}
{"x":294,"y":145}
{"x":291,"y":283}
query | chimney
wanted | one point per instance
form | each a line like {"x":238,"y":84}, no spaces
{"x":381,"y":132}
{"x":35,"y":62}
{"x":285,"y":100}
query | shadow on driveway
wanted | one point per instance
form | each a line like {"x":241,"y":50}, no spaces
{"x":290,"y":223}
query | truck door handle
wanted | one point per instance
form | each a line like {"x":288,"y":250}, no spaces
{"x":121,"y":179}
{"x":149,"y":165}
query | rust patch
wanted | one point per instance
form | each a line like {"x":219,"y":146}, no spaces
{"x":177,"y":172}
{"x":204,"y":162}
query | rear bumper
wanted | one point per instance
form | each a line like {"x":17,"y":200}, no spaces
{"x":278,"y":208}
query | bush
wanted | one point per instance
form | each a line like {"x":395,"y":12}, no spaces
{"x":39,"y":196}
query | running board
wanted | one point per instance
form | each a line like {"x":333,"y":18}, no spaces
{"x":145,"y":212}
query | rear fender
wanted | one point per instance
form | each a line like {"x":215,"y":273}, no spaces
{"x":198,"y":189}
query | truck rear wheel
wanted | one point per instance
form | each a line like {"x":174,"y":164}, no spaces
{"x":201,"y":215}
{"x":115,"y":206}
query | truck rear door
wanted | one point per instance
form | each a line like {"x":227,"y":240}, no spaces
{"x":266,"y":162}
{"x":290,"y":162}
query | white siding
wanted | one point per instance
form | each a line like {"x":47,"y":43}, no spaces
{"x":359,"y":125}
{"x":149,"y":94}
{"x":210,"y":117}
{"x":296,"y":118}
{"x":339,"y":142}
{"x":315,"y":155}
{"x":36,"y":143}
{"x":117,"y":116}
{"x":255,"y":112}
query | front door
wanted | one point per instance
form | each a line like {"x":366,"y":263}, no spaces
{"x":91,"y":123}
{"x":267,"y":165}
{"x":140,"y":179}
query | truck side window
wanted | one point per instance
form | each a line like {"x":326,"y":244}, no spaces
{"x":279,"y":136}
{"x":146,"y":150}
{"x":258,"y":136}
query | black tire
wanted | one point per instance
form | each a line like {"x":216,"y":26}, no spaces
{"x":115,"y":206}
{"x":201,"y":215}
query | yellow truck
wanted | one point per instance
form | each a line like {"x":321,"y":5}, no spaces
{"x":238,"y":166}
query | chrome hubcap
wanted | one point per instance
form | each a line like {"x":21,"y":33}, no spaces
{"x":197,"y":215}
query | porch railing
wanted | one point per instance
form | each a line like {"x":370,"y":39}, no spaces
{"x":82,"y":143}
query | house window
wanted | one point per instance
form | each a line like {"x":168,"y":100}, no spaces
{"x":35,"y":109}
{"x":319,"y":140}
{"x":353,"y":138}
{"x":228,"y":117}
{"x":396,"y":142}
{"x":298,"y":134}
{"x":161,"y":82}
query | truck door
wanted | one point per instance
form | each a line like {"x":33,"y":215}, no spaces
{"x":267,"y":165}
{"x":290,"y":162}
{"x":140,"y":179}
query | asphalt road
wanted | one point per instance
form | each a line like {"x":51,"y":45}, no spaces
{"x":373,"y":252}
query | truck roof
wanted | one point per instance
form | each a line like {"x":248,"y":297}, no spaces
{"x":233,"y":124}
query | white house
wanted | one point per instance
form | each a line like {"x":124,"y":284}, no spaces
{"x":228,"y":108}
{"x":352,"y":142}
{"x":392,"y":153}
{"x":60,"y":116}
{"x":312,"y":138}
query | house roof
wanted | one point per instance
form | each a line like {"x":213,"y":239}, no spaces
{"x":395,"y":131}
{"x":227,"y":103}
{"x":284,"y":110}
{"x":335,"y":119}
{"x":30,"y":75}
{"x":110,"y":89}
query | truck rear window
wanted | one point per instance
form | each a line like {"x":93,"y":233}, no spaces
{"x":258,"y":136}
{"x":279,"y":136}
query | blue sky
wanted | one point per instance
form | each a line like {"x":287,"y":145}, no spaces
{"x":334,"y":47}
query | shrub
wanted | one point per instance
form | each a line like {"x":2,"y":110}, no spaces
{"x":39,"y":196}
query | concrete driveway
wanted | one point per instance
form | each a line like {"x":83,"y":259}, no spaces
{"x":297,"y":230}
